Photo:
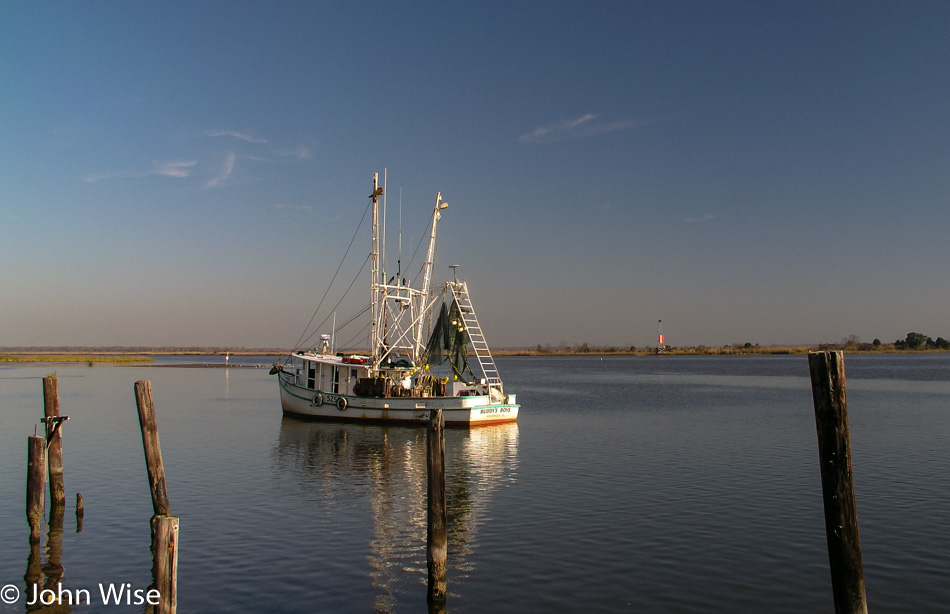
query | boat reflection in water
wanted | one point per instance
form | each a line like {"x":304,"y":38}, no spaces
{"x":379,"y":473}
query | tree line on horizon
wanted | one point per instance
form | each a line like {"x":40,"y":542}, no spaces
{"x":913,"y":342}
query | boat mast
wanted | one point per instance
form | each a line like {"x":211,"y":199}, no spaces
{"x":427,"y":269}
{"x":374,"y":272}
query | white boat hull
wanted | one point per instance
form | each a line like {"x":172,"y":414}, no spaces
{"x":304,"y":402}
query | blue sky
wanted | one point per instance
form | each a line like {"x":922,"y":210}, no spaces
{"x":189,"y":173}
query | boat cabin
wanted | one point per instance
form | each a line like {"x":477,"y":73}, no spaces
{"x":351,"y":376}
{"x":333,"y":374}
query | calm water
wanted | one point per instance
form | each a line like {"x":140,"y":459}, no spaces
{"x":660,"y":484}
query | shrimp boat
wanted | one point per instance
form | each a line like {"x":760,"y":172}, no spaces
{"x":422,"y":341}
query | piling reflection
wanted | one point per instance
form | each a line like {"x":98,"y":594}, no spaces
{"x":45,"y":580}
{"x":54,"y":548}
{"x":34,"y":574}
{"x":387,"y":466}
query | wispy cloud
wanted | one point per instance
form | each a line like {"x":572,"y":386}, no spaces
{"x":175,"y":169}
{"x":225,"y":173}
{"x":561,"y":127}
{"x":238,"y":135}
{"x":705,"y":218}
{"x":165,"y":169}
{"x":301,"y":152}
{"x":581,"y":127}
{"x":101,"y":176}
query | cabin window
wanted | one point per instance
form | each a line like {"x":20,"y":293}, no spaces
{"x":311,"y":375}
{"x":336,"y":380}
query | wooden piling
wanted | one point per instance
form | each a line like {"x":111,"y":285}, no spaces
{"x":54,"y":452}
{"x":834,"y":454}
{"x":164,"y":526}
{"x":153,"y":449}
{"x":57,"y":516}
{"x":35,"y":485}
{"x":80,"y":512}
{"x":437,"y":521}
{"x":165,"y":552}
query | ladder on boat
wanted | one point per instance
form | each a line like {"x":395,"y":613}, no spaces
{"x":485,"y":360}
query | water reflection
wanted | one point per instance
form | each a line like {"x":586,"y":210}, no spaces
{"x":385,"y":466}
{"x":53,"y":570}
{"x":34,"y":573}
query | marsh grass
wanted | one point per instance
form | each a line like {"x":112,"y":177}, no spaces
{"x":89,"y":360}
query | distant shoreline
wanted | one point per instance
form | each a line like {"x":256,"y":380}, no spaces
{"x":136,"y":351}
{"x":117,"y":356}
{"x":129,"y":355}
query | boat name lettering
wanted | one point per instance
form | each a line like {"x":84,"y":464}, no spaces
{"x":495,"y":410}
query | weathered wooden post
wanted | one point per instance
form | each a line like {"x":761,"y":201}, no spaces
{"x":164,"y":527}
{"x":834,"y":455}
{"x":165,"y":549}
{"x":153,"y":450}
{"x":54,"y":452}
{"x":35,"y":485}
{"x":437,"y":521}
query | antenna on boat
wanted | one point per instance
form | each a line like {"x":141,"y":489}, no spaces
{"x":382,"y":242}
{"x":454,"y":268}
{"x":399,"y":261}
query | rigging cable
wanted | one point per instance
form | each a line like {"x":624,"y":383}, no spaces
{"x":315,"y":311}
{"x":362,"y":335}
{"x":347,"y":291}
